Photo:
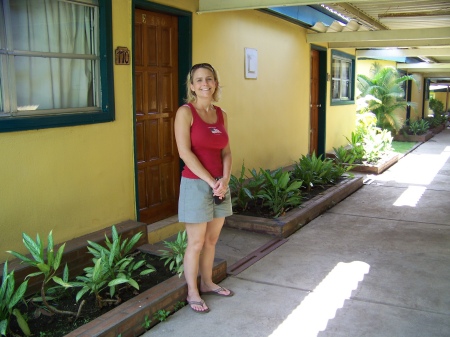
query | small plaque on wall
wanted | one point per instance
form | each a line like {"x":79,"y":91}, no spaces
{"x":122,"y":56}
{"x":251,"y":63}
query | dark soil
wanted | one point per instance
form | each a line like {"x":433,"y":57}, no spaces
{"x":43,"y":323}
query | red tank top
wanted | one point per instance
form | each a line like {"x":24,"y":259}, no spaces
{"x":207,"y":142}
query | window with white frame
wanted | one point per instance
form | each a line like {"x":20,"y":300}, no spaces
{"x":342,"y":74}
{"x":51,"y":70}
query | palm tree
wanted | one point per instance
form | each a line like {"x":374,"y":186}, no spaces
{"x":385,"y":85}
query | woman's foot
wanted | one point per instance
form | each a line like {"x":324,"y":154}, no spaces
{"x":216,"y":290}
{"x":198,"y":306}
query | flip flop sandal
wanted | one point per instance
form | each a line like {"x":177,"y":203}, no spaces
{"x":201,"y":303}
{"x":217,"y":291}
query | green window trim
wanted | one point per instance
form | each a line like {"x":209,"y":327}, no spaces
{"x":337,"y":55}
{"x":106,"y":111}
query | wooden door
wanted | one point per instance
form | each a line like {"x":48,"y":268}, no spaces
{"x":156,"y":86}
{"x":314,"y":103}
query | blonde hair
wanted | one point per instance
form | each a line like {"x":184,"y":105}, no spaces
{"x":190,"y":95}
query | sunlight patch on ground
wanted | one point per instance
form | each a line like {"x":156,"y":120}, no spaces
{"x":411,"y":196}
{"x":416,"y":169}
{"x":313,"y":314}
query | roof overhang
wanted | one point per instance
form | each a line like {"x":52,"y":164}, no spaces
{"x":422,"y":30}
{"x":422,"y":36}
{"x":206,"y":6}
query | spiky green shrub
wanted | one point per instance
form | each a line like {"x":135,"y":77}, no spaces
{"x":9,"y":297}
{"x":279,"y":192}
{"x":47,"y":266}
{"x":174,"y":254}
{"x":113,"y":265}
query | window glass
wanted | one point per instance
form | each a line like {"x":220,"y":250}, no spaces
{"x":52,"y":26}
{"x":345,"y":70}
{"x":336,"y":89}
{"x":342,"y":78}
{"x":53,"y":83}
{"x":50,"y":61}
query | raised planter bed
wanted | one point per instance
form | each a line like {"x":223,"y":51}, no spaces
{"x":76,"y":252}
{"x":127,"y":318}
{"x":438,"y":129}
{"x":286,"y":225}
{"x":378,"y":168}
{"x":414,"y":138}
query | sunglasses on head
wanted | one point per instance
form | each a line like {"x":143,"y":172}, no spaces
{"x":201,"y":65}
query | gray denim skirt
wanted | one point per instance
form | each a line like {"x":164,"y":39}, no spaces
{"x":196,"y":202}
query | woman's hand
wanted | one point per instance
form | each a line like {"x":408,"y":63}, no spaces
{"x":220,"y":187}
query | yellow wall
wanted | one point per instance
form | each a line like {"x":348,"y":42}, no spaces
{"x":417,"y":97}
{"x":71,"y":180}
{"x":268,"y":116}
{"x":340,"y":118}
{"x":76,"y":180}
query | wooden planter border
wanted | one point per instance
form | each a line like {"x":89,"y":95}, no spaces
{"x":128,"y":318}
{"x":382,"y":166}
{"x":286,"y":225}
{"x":414,"y":138}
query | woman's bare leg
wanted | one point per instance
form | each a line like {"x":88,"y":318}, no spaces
{"x":196,"y":239}
{"x":213,"y":229}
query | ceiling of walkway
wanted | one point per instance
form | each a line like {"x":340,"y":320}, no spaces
{"x":416,"y":30}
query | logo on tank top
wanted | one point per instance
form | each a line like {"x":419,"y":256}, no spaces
{"x":214,"y":130}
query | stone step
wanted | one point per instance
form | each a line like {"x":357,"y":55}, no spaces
{"x":164,"y":229}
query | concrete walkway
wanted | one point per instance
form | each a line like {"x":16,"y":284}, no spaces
{"x":376,"y":264}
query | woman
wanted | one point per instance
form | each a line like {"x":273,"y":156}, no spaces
{"x":205,"y":201}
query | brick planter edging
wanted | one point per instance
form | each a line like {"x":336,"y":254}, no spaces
{"x":127,"y":319}
{"x":286,"y":225}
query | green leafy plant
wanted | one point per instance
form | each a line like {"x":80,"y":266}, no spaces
{"x":385,"y":84}
{"x":436,"y":105}
{"x":376,"y":142}
{"x":343,"y":162}
{"x":179,"y":305}
{"x":9,"y":297}
{"x":313,"y":170}
{"x":419,"y":127}
{"x":356,"y":147}
{"x":147,"y":323}
{"x":161,"y":315}
{"x":279,"y":192}
{"x":343,"y":155}
{"x":47,"y":266}
{"x":113,"y":265}
{"x":174,"y":254}
{"x":436,"y":120}
{"x":245,"y":189}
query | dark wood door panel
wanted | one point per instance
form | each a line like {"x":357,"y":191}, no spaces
{"x":156,"y":76}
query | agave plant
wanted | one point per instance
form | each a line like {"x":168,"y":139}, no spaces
{"x":385,"y":85}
